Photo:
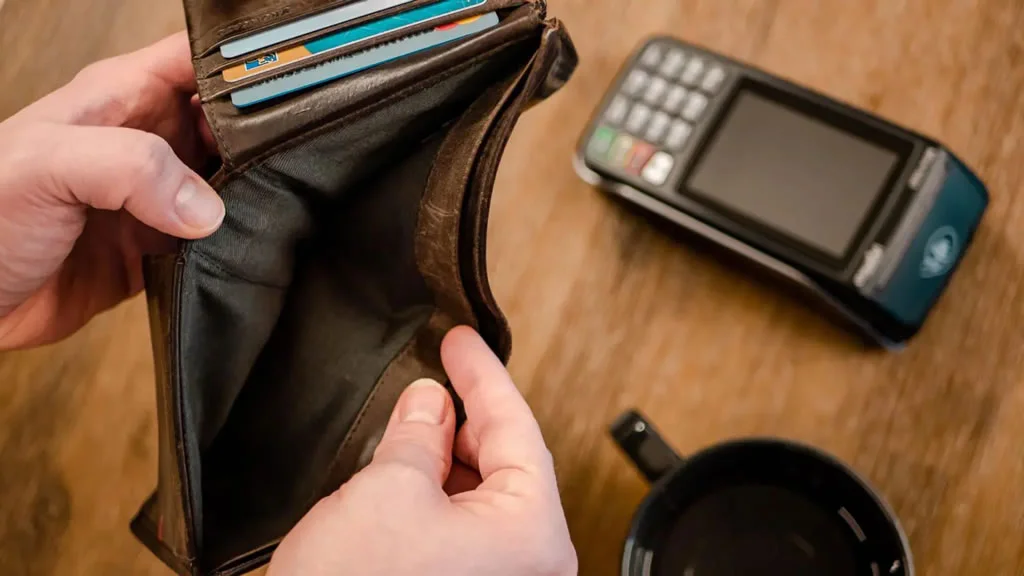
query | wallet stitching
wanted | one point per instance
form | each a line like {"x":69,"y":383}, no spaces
{"x":173,"y":405}
{"x":303,"y":137}
{"x":187,"y":489}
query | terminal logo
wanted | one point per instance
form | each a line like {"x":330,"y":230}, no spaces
{"x":940,"y":253}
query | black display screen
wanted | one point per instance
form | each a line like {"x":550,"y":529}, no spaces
{"x":796,"y":174}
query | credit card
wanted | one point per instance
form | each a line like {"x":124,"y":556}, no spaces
{"x":292,"y":30}
{"x":352,"y":63}
{"x":338,"y":40}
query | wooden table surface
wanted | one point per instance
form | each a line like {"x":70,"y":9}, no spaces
{"x":609,"y":313}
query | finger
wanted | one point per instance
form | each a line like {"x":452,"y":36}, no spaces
{"x":113,"y":91}
{"x":467,"y":447}
{"x":461,"y":479}
{"x":420,"y":432}
{"x":500,"y":433}
{"x":114,"y":168}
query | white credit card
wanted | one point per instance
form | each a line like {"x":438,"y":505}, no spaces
{"x":302,"y":26}
{"x":346,"y":65}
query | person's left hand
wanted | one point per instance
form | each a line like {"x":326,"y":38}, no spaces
{"x":92,"y":177}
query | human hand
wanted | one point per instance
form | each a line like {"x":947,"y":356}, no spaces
{"x":412,"y":511}
{"x":92,"y":177}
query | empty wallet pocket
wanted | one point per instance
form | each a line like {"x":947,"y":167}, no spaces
{"x":214,"y":22}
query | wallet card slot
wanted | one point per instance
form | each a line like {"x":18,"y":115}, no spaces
{"x":214,"y":22}
{"x":215,"y":86}
{"x":245,"y":136}
{"x":214,"y":62}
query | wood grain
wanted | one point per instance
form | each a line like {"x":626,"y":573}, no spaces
{"x":608,"y":312}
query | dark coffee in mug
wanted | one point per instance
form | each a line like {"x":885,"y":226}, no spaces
{"x":755,"y":507}
{"x":744,"y":529}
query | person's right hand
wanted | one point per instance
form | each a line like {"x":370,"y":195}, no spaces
{"x":412,"y":512}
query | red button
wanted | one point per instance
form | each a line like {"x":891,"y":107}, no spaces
{"x":638,"y":157}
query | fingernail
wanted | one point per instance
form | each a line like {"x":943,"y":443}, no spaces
{"x":424,"y":401}
{"x":198,"y":205}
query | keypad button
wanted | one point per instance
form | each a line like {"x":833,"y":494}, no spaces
{"x":601,"y":142}
{"x":639,"y":156}
{"x":673,"y":63}
{"x":678,"y":133}
{"x":636,"y":82}
{"x":638,"y":117}
{"x":617,"y":110}
{"x":652,"y":56}
{"x":620,"y":150}
{"x":656,"y":129}
{"x":674,"y":99}
{"x":658,"y":168}
{"x":655,"y":91}
{"x":713,"y":80}
{"x":695,"y":106}
{"x":693,"y":70}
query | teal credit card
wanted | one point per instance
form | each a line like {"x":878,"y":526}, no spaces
{"x":302,"y":26}
{"x":273,"y":60}
{"x":350,"y":64}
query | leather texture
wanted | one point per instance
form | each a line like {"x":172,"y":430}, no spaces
{"x":355,"y":238}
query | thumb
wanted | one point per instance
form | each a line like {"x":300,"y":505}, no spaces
{"x":420,"y":433}
{"x":114,"y":168}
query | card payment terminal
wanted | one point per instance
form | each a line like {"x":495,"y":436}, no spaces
{"x":872,"y":217}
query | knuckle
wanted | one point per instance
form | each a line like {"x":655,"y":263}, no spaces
{"x":145,"y":164}
{"x":150,"y":160}
{"x":102,"y":106}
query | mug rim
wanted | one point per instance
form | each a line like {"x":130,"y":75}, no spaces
{"x":658,"y":488}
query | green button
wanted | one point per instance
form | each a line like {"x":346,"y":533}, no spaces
{"x":621,"y":151}
{"x":601,"y":142}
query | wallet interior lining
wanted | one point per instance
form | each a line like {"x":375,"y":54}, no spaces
{"x":290,"y":313}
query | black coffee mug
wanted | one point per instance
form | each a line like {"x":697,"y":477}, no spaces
{"x":755,"y":506}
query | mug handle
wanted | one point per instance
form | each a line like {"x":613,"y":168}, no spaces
{"x":651,"y":455}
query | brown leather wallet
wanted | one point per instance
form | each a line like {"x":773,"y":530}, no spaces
{"x":354,"y":240}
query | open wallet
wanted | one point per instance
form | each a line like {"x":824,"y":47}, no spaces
{"x":354,"y":239}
